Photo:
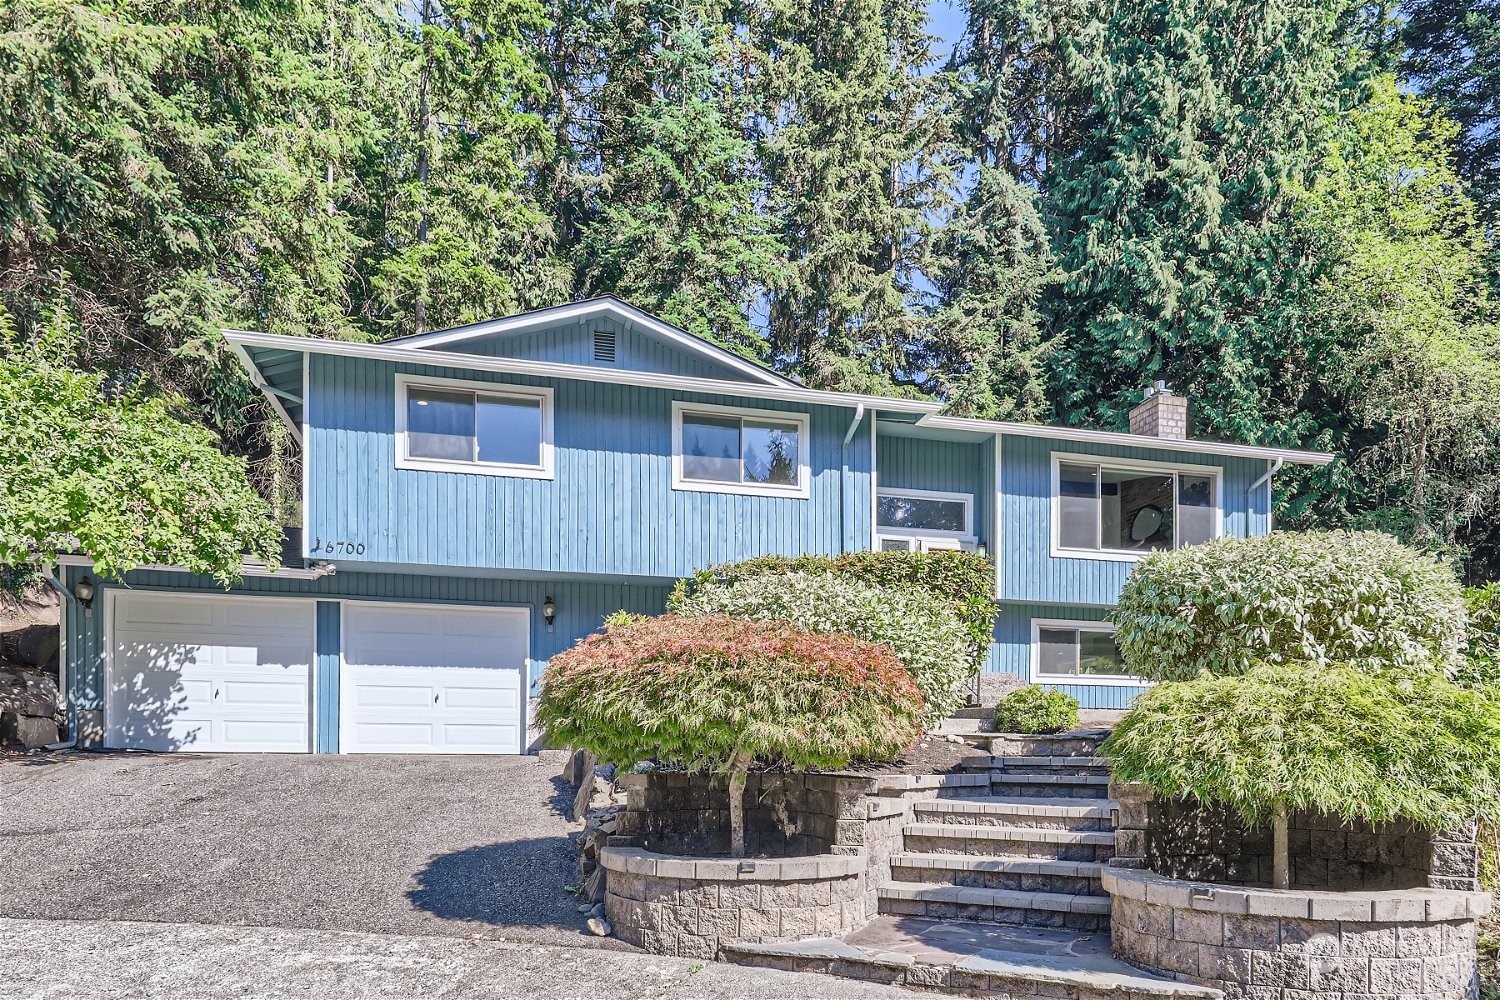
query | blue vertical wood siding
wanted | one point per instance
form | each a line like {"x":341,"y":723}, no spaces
{"x":581,"y":607}
{"x":330,"y":624}
{"x":913,"y":463}
{"x":610,"y":508}
{"x":1029,"y":572}
{"x":571,"y":342}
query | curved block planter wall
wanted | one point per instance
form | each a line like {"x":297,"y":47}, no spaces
{"x":1263,"y":943}
{"x":687,"y":906}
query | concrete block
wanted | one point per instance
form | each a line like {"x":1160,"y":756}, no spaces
{"x":1401,"y":977}
{"x":1198,"y":927}
{"x":1332,"y":907}
{"x":1419,"y":941}
{"x":1370,"y":940}
{"x":1280,"y":904}
{"x":1399,"y":909}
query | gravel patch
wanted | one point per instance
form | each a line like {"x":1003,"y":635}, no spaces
{"x":466,"y":846}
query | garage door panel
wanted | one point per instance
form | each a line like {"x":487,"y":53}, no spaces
{"x":180,"y":679}
{"x":432,"y":679}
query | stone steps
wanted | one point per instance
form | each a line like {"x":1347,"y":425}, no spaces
{"x":1020,"y":811}
{"x":1078,"y":786}
{"x":990,"y":972}
{"x":1078,"y":878}
{"x":1007,"y":906}
{"x":1036,"y":765}
{"x":1079,"y":743}
{"x":1009,"y":841}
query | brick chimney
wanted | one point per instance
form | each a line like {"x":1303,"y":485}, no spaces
{"x":1162,"y":414}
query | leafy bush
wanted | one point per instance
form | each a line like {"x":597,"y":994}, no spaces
{"x":1036,"y":709}
{"x":1481,"y":663}
{"x":964,"y":581}
{"x":926,"y":637}
{"x":1327,"y":738}
{"x":716,"y":694}
{"x":1361,"y":598}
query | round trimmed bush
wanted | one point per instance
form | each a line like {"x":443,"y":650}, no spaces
{"x":1360,"y":598}
{"x":928,"y":638}
{"x":1481,"y":660}
{"x":1330,"y":738}
{"x":1036,"y":709}
{"x":717,"y":694}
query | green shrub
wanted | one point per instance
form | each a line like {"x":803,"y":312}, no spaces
{"x":1328,"y":738}
{"x":717,"y":694}
{"x":964,"y":581}
{"x":1361,"y":598}
{"x":1036,"y":709}
{"x":1481,"y":662}
{"x":926,"y":637}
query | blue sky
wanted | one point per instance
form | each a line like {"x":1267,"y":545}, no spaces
{"x":947,"y":23}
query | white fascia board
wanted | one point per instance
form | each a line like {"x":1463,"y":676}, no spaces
{"x":248,"y":567}
{"x":260,"y":383}
{"x":622,"y":311}
{"x":582,"y":373}
{"x":1126,"y":440}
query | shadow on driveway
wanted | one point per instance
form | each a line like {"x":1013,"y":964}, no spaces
{"x":495,"y":884}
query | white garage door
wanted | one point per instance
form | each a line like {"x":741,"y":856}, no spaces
{"x":210,"y":673}
{"x":432,"y":679}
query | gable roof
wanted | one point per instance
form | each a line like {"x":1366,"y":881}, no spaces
{"x":601,"y":306}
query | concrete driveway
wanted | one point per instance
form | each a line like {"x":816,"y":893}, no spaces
{"x":466,"y":846}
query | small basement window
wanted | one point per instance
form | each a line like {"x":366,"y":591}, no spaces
{"x":445,"y":425}
{"x":1076,"y":652}
{"x":1130,"y":510}
{"x":724,"y":449}
{"x":923,"y":520}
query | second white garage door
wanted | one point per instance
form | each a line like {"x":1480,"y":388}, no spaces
{"x":432,"y":679}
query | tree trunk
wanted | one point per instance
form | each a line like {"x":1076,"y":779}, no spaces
{"x":1281,"y":862}
{"x":424,"y":152}
{"x":739,"y":769}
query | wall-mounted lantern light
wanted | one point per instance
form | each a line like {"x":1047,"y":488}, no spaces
{"x":549,"y":611}
{"x":84,"y":591}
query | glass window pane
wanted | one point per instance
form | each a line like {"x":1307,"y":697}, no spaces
{"x":1197,"y":509}
{"x":439,"y":424}
{"x":1078,"y":502}
{"x":770,"y":452}
{"x":1057,"y":650}
{"x":711,"y":448}
{"x":509,"y":430}
{"x":920,"y":513}
{"x":1098,"y":655}
{"x":1144,"y":523}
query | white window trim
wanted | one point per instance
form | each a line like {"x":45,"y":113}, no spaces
{"x":1097,"y":680}
{"x":803,"y":489}
{"x":1061,"y":458}
{"x":883,"y":531}
{"x":404,"y":461}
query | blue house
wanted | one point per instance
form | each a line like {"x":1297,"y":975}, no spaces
{"x":475,"y":500}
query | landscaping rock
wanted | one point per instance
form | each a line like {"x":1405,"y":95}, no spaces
{"x":600,"y":927}
{"x":593,"y":886}
{"x":29,"y":731}
{"x":573,"y":769}
{"x":585,"y":794}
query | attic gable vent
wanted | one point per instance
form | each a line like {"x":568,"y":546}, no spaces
{"x":604,"y":345}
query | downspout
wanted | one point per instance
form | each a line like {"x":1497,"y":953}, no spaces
{"x":68,"y":600}
{"x":859,"y":415}
{"x":1271,"y":470}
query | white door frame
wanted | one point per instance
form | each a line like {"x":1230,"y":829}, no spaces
{"x":106,"y":638}
{"x":438,"y":604}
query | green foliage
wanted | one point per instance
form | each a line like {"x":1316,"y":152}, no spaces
{"x":1480,"y":666}
{"x":1221,"y":607}
{"x":1327,"y":738}
{"x":964,"y":582}
{"x":91,"y":467}
{"x":1036,"y":709}
{"x":701,"y":693}
{"x":926,"y":637}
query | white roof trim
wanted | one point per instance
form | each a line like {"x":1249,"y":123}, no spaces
{"x":1126,"y":440}
{"x":248,"y":567}
{"x":622,"y":311}
{"x":583,"y":373}
{"x":260,"y":383}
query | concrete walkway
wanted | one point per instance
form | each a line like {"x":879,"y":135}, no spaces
{"x":111,"y":960}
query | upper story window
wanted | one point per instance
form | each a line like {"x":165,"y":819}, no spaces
{"x":446,"y":425}
{"x":1113,"y":509}
{"x":923,"y":520}
{"x":723,"y":449}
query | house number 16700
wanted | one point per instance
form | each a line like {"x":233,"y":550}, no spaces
{"x":333,"y":547}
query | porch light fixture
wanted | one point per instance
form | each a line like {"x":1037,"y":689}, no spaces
{"x":980,"y":550}
{"x":549,"y":611}
{"x":84,"y":591}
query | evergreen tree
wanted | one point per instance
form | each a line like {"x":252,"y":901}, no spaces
{"x":1172,"y":220}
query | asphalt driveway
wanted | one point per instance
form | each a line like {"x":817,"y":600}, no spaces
{"x":466,"y":846}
